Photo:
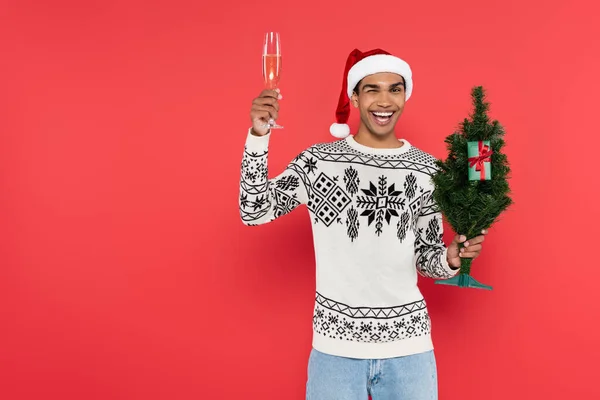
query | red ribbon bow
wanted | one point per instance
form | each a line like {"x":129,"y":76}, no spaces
{"x":484,"y":156}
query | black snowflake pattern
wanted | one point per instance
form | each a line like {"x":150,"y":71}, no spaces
{"x":340,"y":151}
{"x":254,"y":168}
{"x":380,"y":203}
{"x":364,"y":324}
{"x":410,"y":186}
{"x":251,"y":176}
{"x":310,"y":165}
{"x":259,"y":202}
{"x":429,"y":250}
{"x":352,"y":223}
{"x":338,"y":326}
{"x":262,"y":200}
{"x":433,"y":231}
{"x":319,"y":314}
{"x":403,"y":226}
{"x":346,"y":203}
{"x":366,"y":327}
{"x":244,"y":202}
{"x":288,"y":182}
{"x":400,"y":324}
{"x":351,"y":180}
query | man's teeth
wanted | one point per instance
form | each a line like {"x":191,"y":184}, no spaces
{"x":383,"y":114}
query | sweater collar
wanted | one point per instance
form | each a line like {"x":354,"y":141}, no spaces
{"x":377,"y":151}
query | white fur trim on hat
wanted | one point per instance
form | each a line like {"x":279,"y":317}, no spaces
{"x":339,"y":131}
{"x":380,"y":63}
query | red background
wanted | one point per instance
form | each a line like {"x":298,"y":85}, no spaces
{"x":125,"y":272}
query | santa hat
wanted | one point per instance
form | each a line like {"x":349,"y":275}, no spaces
{"x":358,"y":66}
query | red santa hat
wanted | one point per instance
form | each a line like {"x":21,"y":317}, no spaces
{"x":358,"y":66}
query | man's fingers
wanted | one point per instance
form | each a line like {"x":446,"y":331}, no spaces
{"x":471,"y":251}
{"x":263,"y":107}
{"x":463,"y":239}
{"x":469,"y":255}
{"x":262,"y":116}
{"x":475,"y":240}
{"x":270,"y":93}
{"x":460,"y":238}
{"x":266,"y":108}
{"x":266,"y":101}
{"x":471,"y":248}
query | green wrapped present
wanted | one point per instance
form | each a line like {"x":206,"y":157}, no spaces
{"x":479,"y":154}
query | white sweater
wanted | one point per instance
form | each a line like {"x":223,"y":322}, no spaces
{"x":375,"y":226}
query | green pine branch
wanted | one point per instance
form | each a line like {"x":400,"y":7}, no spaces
{"x":471,"y":206}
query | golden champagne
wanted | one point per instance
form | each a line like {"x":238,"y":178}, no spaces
{"x":271,"y":70}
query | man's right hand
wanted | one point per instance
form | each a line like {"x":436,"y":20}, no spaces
{"x":264,"y":108}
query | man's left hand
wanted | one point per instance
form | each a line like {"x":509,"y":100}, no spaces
{"x":471,"y":249}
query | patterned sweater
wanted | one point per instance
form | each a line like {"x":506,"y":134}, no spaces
{"x":375,"y":227}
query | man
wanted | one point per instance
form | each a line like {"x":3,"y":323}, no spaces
{"x":375,"y":226}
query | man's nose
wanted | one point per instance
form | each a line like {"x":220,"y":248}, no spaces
{"x":384,"y":101}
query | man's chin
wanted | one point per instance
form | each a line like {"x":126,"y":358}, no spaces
{"x":379,"y":132}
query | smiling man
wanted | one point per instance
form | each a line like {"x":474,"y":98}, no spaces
{"x":375,"y":227}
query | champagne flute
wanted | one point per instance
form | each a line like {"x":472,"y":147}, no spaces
{"x":271,"y":65}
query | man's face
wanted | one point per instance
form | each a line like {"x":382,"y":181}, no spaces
{"x":380,"y":100}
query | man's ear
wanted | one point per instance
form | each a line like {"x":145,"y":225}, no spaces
{"x":354,"y":99}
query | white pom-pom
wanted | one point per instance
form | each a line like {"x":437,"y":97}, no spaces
{"x":339,"y":131}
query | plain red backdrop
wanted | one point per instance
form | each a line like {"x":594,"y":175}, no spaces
{"x":125,"y":272}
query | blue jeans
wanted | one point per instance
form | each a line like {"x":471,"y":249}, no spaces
{"x":411,"y":377}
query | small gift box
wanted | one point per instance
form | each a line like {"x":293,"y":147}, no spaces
{"x":479,"y":160}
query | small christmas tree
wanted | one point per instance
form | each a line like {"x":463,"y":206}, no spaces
{"x":471,"y":187}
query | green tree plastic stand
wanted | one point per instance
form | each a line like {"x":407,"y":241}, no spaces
{"x":464,"y":281}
